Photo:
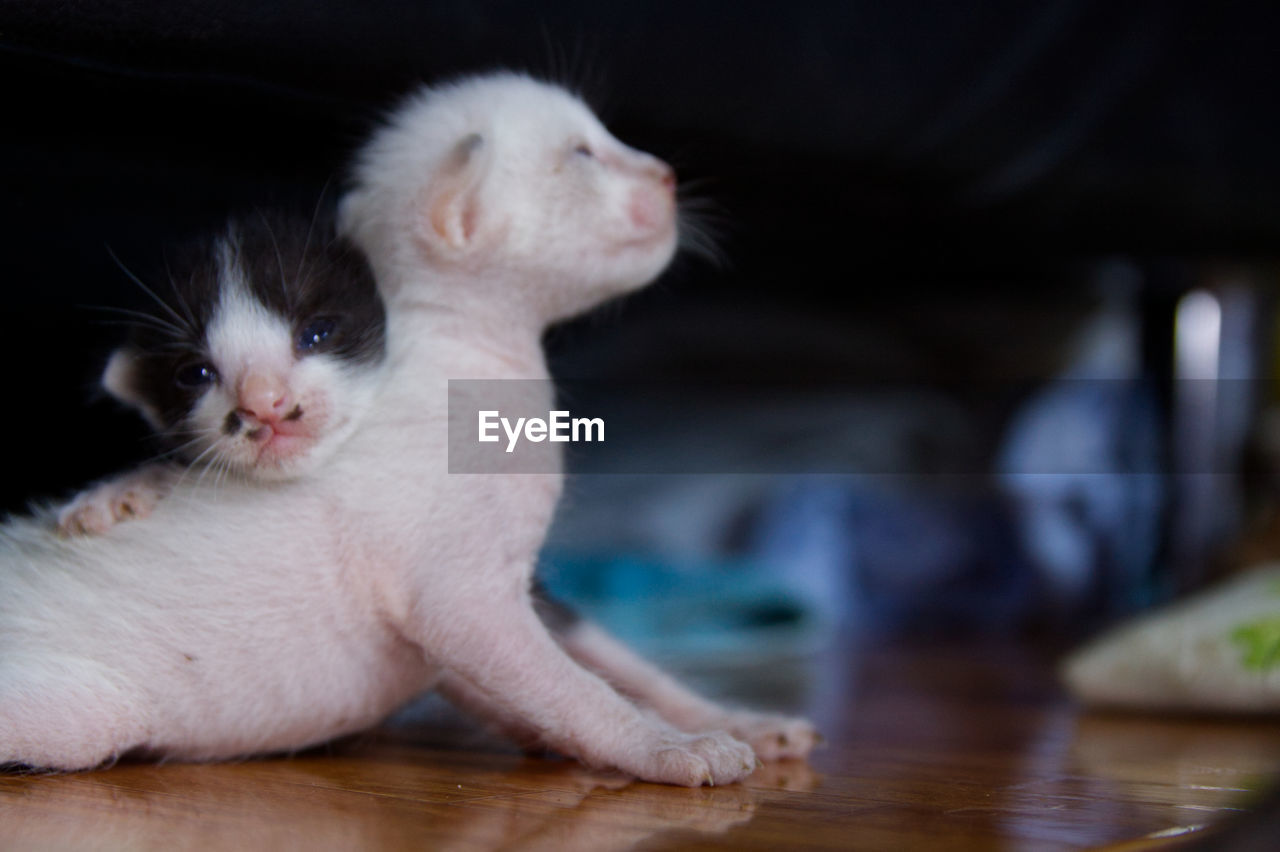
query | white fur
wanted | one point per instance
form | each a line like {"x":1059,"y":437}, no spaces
{"x":272,"y":616}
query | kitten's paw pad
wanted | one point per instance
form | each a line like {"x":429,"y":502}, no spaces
{"x":774,"y":737}
{"x":97,"y":510}
{"x":85,"y":516}
{"x":135,"y":502}
{"x":692,"y":760}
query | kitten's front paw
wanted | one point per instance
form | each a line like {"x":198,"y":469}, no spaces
{"x":101,"y":507}
{"x":773,"y":737}
{"x":691,"y":760}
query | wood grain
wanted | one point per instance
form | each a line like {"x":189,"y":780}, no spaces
{"x":930,"y":746}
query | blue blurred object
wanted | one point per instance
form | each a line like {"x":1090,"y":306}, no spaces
{"x":1081,"y":461}
{"x":894,"y":552}
{"x":690,"y":611}
{"x":937,"y":557}
{"x":824,"y":553}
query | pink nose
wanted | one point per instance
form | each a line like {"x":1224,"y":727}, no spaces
{"x":264,"y":396}
{"x":666,"y":175}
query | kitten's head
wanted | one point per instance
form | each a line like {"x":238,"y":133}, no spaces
{"x":261,"y":353}
{"x":507,"y":179}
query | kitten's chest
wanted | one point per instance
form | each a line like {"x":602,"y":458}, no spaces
{"x":427,"y":532}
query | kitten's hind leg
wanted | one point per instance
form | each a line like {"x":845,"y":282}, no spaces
{"x":461,"y":694}
{"x":496,"y":643}
{"x":130,"y":495}
{"x":63,"y":714}
{"x":772,"y":736}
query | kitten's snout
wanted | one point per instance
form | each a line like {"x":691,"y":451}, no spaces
{"x":665,"y":175}
{"x":265,"y":397}
{"x":652,"y":203}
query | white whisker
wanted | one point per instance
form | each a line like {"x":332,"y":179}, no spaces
{"x":177,"y":294}
{"x":700,"y":237}
{"x":136,"y":280}
{"x":311,"y":226}
{"x":137,"y":316}
{"x":271,"y":234}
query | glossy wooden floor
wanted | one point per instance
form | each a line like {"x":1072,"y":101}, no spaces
{"x":930,"y":747}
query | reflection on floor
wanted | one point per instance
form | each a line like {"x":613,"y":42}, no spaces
{"x":956,"y":746}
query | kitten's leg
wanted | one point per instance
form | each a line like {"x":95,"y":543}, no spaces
{"x":772,"y":736}
{"x":491,"y":638}
{"x":130,"y":495}
{"x":468,"y":698}
{"x":64,"y":714}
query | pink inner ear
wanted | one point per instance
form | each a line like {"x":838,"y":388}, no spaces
{"x":439,"y":217}
{"x":119,"y":376}
{"x":469,"y":218}
{"x":453,"y":217}
{"x":453,"y":213}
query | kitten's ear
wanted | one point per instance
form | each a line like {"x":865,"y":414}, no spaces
{"x":452,"y":211}
{"x":347,"y":215}
{"x":122,"y":379}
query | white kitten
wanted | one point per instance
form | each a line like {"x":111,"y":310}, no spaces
{"x":495,"y":206}
{"x":276,"y":615}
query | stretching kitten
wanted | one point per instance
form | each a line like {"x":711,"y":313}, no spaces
{"x":491,"y":208}
{"x":283,"y":614}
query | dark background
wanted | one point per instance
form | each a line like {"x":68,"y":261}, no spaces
{"x":904,"y":192}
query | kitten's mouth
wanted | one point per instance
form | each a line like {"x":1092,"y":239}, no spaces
{"x":665,"y":238}
{"x":277,"y":447}
{"x":280,"y":440}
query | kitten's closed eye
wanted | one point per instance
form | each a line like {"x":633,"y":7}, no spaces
{"x":315,"y":334}
{"x":584,"y":150}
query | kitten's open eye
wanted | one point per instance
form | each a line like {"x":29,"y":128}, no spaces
{"x":195,"y":376}
{"x":315,"y":333}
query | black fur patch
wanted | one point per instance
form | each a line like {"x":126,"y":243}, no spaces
{"x":296,"y":268}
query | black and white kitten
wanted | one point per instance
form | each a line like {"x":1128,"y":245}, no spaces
{"x":258,"y":359}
